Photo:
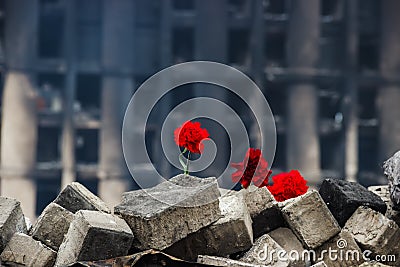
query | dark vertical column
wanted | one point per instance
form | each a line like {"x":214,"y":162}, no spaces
{"x":257,"y":41}
{"x":302,"y":54}
{"x":68,"y":129}
{"x":389,"y":94}
{"x":350,"y":101}
{"x":19,"y":122}
{"x":211,"y":44}
{"x":166,"y":29}
{"x":117,"y":87}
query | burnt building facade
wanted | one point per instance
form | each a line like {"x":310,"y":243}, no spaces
{"x":329,"y":69}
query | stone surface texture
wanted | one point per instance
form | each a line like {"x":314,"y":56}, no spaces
{"x":348,"y":252}
{"x":289,"y":242}
{"x":263,"y":209}
{"x":162,"y":215}
{"x":24,"y":250}
{"x":11,"y":220}
{"x":219,"y":261}
{"x":94,"y":235}
{"x":310,"y":219}
{"x":391,"y":169}
{"x":344,"y":197}
{"x":265,"y":251}
{"x":232,"y":233}
{"x":76,"y":197}
{"x":383,"y":192}
{"x":52,"y":225}
{"x":373,"y":231}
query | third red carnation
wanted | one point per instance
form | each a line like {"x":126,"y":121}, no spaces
{"x":288,"y":185}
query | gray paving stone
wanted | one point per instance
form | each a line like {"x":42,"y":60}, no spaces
{"x":383,"y":192}
{"x":310,"y":219}
{"x":263,"y":209}
{"x":391,"y":169}
{"x":24,"y":250}
{"x":291,"y":244}
{"x":344,"y":197}
{"x":232,"y":233}
{"x":374,"y":232}
{"x":76,"y":197}
{"x":373,"y":264}
{"x":266,"y":251}
{"x":52,"y":225}
{"x":12,"y":220}
{"x":170,"y":211}
{"x":220,"y":261}
{"x":348,"y":253}
{"x":94,"y":235}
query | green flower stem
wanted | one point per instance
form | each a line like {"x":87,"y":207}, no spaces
{"x":182,"y":161}
{"x":187,"y":164}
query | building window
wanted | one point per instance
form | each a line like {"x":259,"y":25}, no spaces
{"x":86,"y":150}
{"x":238,"y":51}
{"x":239,"y":8}
{"x":368,"y":53}
{"x":182,"y":45}
{"x":366,"y":103}
{"x":51,"y":30}
{"x":89,"y":31}
{"x":276,"y":7}
{"x":275,"y":49}
{"x":331,"y":9}
{"x":183,"y":5}
{"x":88,"y":93}
{"x":50,"y":93}
{"x":48,"y":145}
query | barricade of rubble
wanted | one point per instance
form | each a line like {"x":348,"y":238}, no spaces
{"x":342,"y":224}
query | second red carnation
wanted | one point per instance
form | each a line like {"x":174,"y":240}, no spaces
{"x":253,"y":168}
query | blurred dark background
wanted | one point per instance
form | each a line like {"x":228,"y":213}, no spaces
{"x":330,"y":70}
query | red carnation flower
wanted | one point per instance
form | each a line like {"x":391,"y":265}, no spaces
{"x":254,"y":167}
{"x":288,"y":185}
{"x":190,"y":136}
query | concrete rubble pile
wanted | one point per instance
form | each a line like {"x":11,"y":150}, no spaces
{"x":188,"y":221}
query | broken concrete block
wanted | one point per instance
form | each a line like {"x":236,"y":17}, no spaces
{"x":76,"y":197}
{"x":373,"y":264}
{"x":219,"y":261}
{"x":52,"y":225}
{"x":232,"y":233}
{"x":24,"y":250}
{"x":266,"y":251}
{"x":383,"y":192}
{"x":310,"y":219}
{"x":391,"y":169}
{"x":320,"y":264}
{"x":12,"y":220}
{"x":263,"y":209}
{"x":374,"y":232}
{"x":345,"y":251}
{"x":343,"y":198}
{"x":162,"y":215}
{"x":94,"y":235}
{"x":290,"y":243}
